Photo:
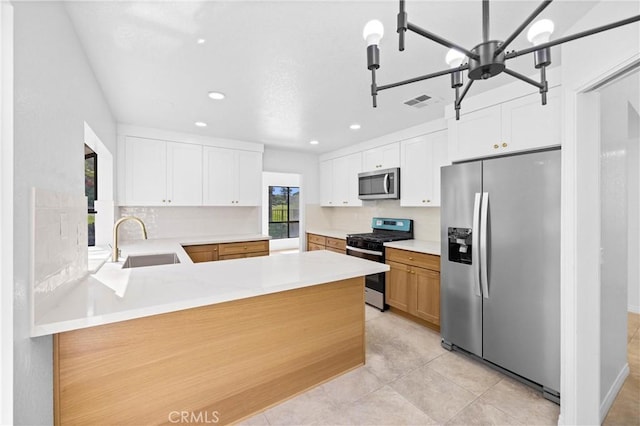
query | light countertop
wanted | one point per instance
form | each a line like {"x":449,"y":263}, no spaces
{"x":115,"y":294}
{"x":421,"y":246}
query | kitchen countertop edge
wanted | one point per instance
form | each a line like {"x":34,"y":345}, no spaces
{"x":420,"y":246}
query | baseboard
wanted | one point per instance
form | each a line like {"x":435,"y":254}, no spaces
{"x":635,"y":309}
{"x":606,"y":404}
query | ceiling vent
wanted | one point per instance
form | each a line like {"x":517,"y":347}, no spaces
{"x":422,"y":101}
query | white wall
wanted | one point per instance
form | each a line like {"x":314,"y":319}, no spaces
{"x":281,"y":179}
{"x":615,"y":141}
{"x":55,"y":93}
{"x":6,"y":213}
{"x":586,"y":62}
{"x":633,"y":179}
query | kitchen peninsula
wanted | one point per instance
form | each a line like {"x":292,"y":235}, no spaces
{"x":212,"y":341}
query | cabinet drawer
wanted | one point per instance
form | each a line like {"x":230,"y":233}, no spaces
{"x":232,"y":256}
{"x":313,"y":246}
{"x":337,"y":244}
{"x":202,"y":252}
{"x":336,"y":250}
{"x":243,"y":247}
{"x":422,"y":260}
{"x":317,"y":239}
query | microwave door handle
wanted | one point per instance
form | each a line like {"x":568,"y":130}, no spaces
{"x":475,"y":244}
{"x":386,"y":183}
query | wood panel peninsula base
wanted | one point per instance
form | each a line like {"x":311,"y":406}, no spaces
{"x":219,"y":363}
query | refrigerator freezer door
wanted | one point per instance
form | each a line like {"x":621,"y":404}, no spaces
{"x":460,"y":307}
{"x":521,"y":316}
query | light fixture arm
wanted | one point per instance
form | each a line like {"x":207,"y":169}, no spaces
{"x":431,"y":36}
{"x":524,"y":78}
{"x":522,"y":26}
{"x":485,"y":21}
{"x":423,"y":77}
{"x":402,"y":25}
{"x":514,"y":54}
{"x":461,"y":97}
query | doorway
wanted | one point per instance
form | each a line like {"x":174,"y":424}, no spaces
{"x":282,"y":211}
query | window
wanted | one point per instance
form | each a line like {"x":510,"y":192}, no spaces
{"x":91,"y":190}
{"x":284,"y":212}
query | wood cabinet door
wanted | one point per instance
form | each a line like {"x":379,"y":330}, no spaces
{"x":249,"y":178}
{"x":184,"y":174}
{"x":527,"y":125}
{"x":326,"y":183}
{"x":422,"y":158}
{"x":477,"y":134}
{"x":398,"y":286}
{"x":219,"y":177}
{"x":427,"y":294}
{"x":383,"y":157}
{"x":145,"y":172}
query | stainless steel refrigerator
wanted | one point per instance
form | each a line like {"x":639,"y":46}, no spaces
{"x":500,"y":264}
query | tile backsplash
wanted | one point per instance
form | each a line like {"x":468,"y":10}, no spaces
{"x":426,"y":220}
{"x":171,"y":222}
{"x":59,"y":246}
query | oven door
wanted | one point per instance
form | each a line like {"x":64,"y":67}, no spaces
{"x":374,"y":283}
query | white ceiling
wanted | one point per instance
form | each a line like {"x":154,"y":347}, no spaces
{"x":292,"y":71}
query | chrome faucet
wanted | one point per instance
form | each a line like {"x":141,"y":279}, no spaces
{"x":116,"y":253}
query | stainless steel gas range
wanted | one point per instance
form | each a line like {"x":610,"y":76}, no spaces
{"x":370,"y":246}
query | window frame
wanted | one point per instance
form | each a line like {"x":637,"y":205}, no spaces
{"x":95,"y":180}
{"x":288,"y":221}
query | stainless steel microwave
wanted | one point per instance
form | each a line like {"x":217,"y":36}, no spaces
{"x":379,"y":184}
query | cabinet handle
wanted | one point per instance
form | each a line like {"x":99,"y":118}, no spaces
{"x":504,"y":144}
{"x":410,"y":258}
{"x":496,"y":146}
{"x":164,"y":201}
{"x":169,"y":200}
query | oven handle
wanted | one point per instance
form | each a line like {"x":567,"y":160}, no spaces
{"x":375,"y":253}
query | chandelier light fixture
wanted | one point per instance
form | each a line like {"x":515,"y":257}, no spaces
{"x":485,"y":60}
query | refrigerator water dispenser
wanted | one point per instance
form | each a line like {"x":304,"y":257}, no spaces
{"x":460,"y":245}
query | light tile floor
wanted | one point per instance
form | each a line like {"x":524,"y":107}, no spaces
{"x":626,"y":408}
{"x":409,"y":379}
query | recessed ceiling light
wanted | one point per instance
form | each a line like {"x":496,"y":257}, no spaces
{"x":200,"y":124}
{"x":201,"y":41}
{"x":354,"y":126}
{"x":314,"y":142}
{"x":216,"y":95}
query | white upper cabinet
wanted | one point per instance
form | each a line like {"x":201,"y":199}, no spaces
{"x":382,"y":157}
{"x":231,"y":177}
{"x":421,"y":159}
{"x":518,"y":125}
{"x":339,"y":181}
{"x":160,"y":173}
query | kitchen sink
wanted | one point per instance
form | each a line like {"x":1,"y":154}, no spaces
{"x":139,"y":261}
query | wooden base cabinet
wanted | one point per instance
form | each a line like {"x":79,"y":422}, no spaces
{"x":212,"y":252}
{"x":413,"y":284}
{"x":320,"y":242}
{"x":219,"y":364}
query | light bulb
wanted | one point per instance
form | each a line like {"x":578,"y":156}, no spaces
{"x":373,"y":32}
{"x":540,"y":32}
{"x":454,"y":58}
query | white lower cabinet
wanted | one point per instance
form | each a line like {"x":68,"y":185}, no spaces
{"x":421,"y":159}
{"x":339,"y":181}
{"x":521,"y":124}
{"x":161,"y":173}
{"x":231,"y":177}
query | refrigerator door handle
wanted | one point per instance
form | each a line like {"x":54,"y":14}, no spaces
{"x":484,"y":276}
{"x":475,"y":244}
